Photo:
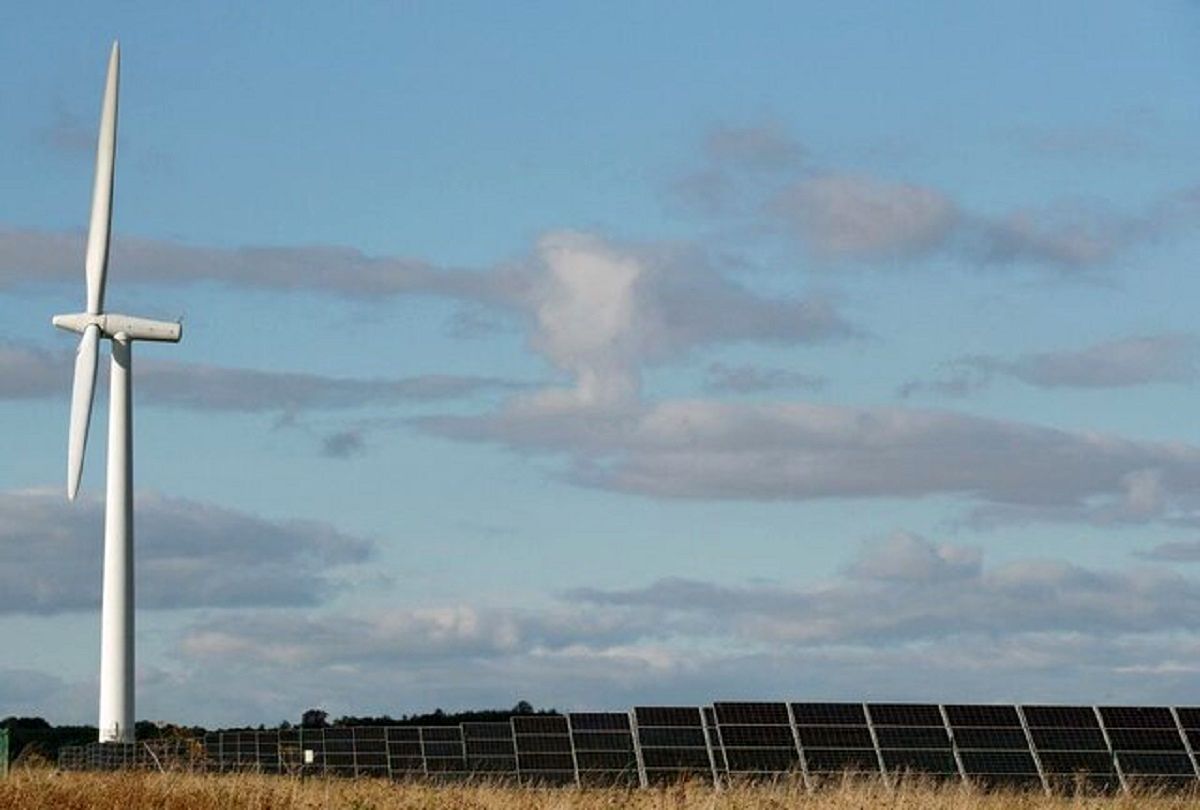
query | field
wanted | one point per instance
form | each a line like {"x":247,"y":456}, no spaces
{"x":38,"y":788}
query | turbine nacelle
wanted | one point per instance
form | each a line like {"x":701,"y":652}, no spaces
{"x":111,"y":325}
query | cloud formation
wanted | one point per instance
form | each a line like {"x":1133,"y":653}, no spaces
{"x":798,"y":451}
{"x":29,"y":372}
{"x":749,"y":379}
{"x":756,"y":175}
{"x":933,"y":617}
{"x":190,"y":555}
{"x":859,"y":217}
{"x":1121,"y":363}
{"x":30,"y":257}
{"x":1185,"y":551}
{"x":907,"y":589}
{"x":600,"y":311}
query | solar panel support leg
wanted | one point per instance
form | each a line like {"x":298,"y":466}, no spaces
{"x":1187,"y":744}
{"x":962,"y":772}
{"x":712,"y":760}
{"x":1037,"y":760}
{"x":1111,"y":751}
{"x":574,"y":754}
{"x":637,"y":750}
{"x":883,"y":773}
{"x":808,"y":787}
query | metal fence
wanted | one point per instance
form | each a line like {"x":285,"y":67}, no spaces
{"x":1051,"y":748}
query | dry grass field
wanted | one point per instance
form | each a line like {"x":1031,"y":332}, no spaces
{"x":45,"y":788}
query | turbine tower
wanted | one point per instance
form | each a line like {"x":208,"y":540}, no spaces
{"x":116,"y":629}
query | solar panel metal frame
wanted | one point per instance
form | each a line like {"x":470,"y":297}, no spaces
{"x":991,"y":733}
{"x":446,"y":736}
{"x":930,"y":742}
{"x":600,"y":736}
{"x":826,"y":722}
{"x":1065,"y":766}
{"x":1187,"y":741}
{"x":535,"y":739}
{"x":734,"y":725}
{"x":489,"y":748}
{"x":661,"y":761}
{"x":1141,"y":735}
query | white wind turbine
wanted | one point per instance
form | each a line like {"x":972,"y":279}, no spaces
{"x":116,"y":629}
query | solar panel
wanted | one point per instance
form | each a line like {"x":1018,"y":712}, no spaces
{"x":829,"y":714}
{"x":291,"y":757}
{"x":443,"y":752}
{"x":1137,"y":717}
{"x":1070,"y":745}
{"x":1060,"y":716}
{"x":755,"y":739}
{"x":927,"y":762}
{"x":268,"y":750}
{"x":544,"y":752}
{"x":963,"y":715}
{"x":489,"y":748}
{"x":992,"y":747}
{"x":751,"y":714}
{"x":404,"y":752}
{"x":990,"y":763}
{"x":312,"y":746}
{"x":912,"y":739}
{"x":604,"y":751}
{"x":991,"y":738}
{"x":1147,"y":744}
{"x":673,"y":743}
{"x":905,"y":714}
{"x":339,"y":751}
{"x":835,"y":739}
{"x":1189,"y":716}
{"x":370,"y":749}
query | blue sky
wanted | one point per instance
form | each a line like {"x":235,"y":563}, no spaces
{"x":593,"y":355}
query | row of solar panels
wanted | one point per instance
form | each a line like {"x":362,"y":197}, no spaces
{"x":1050,"y":747}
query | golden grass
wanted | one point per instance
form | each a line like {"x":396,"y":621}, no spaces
{"x":38,"y":788}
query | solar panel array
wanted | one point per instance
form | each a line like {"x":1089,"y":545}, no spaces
{"x":1053,"y":748}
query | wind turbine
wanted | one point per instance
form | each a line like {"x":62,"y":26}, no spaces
{"x":116,"y":627}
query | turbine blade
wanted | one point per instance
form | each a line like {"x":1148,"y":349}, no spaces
{"x":100,"y":225}
{"x":81,"y":405}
